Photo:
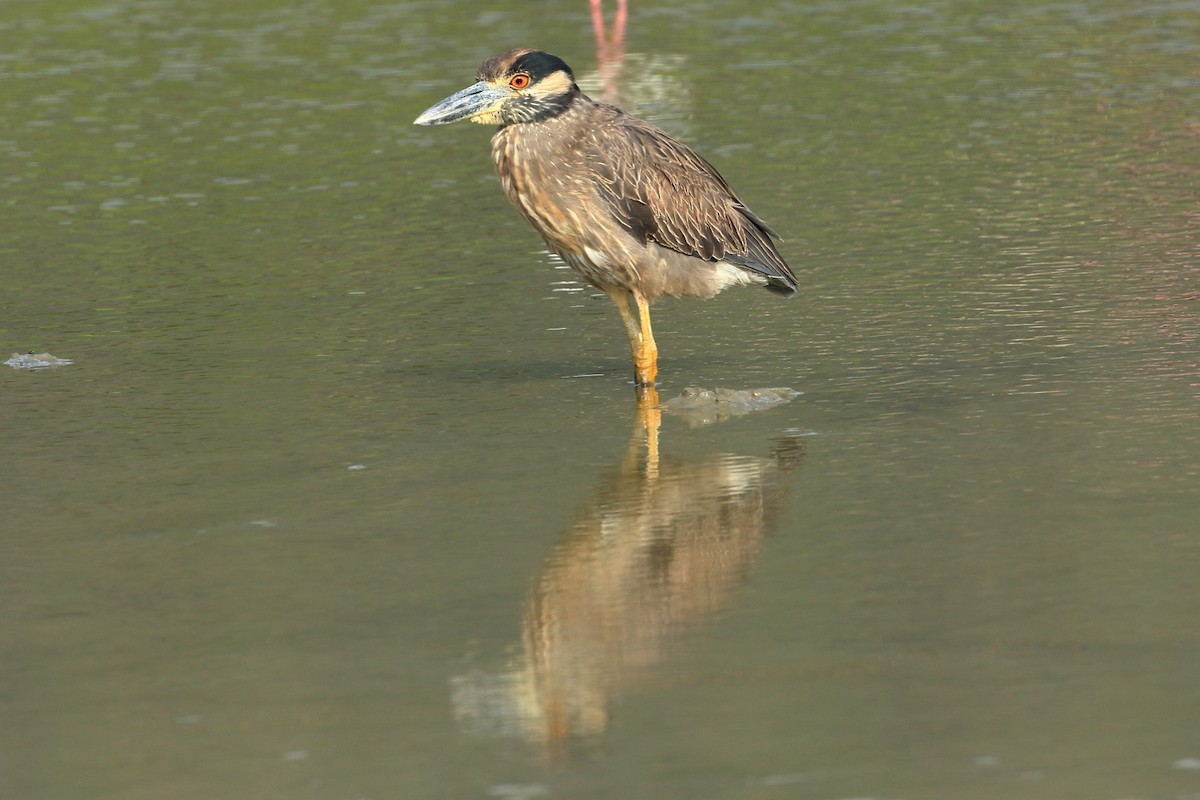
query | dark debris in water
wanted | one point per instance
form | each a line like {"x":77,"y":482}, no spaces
{"x":705,"y":406}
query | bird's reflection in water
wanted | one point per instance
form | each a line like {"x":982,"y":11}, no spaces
{"x":663,"y":543}
{"x":610,"y":47}
{"x":654,"y":86}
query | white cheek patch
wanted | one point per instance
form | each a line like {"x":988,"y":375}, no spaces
{"x":553,"y":84}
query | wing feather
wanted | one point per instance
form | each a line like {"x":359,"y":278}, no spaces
{"x":660,"y":191}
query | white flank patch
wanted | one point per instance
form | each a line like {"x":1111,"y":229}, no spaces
{"x":597,"y":258}
{"x":733,"y":275}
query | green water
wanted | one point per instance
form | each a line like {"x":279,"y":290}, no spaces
{"x":345,"y":494}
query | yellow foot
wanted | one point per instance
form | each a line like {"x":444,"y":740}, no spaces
{"x":645,"y":366}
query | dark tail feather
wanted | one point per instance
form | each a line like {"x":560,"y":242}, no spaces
{"x":762,"y":257}
{"x":780,"y":279}
{"x":780,"y":286}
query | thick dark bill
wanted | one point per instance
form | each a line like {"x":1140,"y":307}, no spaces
{"x":461,"y":105}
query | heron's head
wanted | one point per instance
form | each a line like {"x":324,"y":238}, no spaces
{"x":512,"y":87}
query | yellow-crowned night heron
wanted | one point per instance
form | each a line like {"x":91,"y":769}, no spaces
{"x":633,"y":211}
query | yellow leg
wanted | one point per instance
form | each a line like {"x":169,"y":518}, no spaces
{"x":641,"y":339}
{"x":620,"y":299}
{"x":645,"y":356}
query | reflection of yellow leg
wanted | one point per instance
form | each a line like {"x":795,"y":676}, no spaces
{"x":649,"y":417}
{"x":645,"y":357}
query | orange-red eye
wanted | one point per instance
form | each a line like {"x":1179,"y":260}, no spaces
{"x":519,"y":81}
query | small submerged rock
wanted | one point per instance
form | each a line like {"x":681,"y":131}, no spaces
{"x":704,"y":406}
{"x":36,"y":361}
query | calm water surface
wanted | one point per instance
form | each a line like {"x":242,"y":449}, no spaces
{"x":346,"y":494}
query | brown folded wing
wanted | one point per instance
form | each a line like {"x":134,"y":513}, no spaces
{"x":662,"y":192}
